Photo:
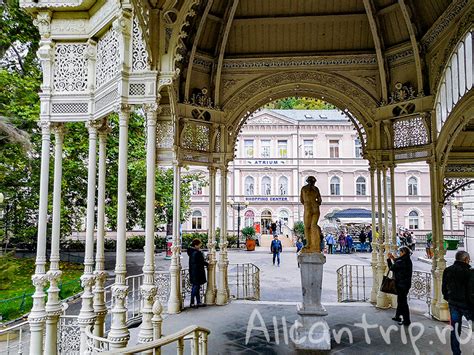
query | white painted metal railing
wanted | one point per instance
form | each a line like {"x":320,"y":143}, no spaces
{"x":354,"y":283}
{"x":198,"y":337}
{"x":15,"y":339}
{"x":244,"y":281}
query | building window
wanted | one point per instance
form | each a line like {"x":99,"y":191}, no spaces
{"x":197,"y":220}
{"x":335,"y":186}
{"x":282,"y":148}
{"x":196,"y":188}
{"x":249,"y":186}
{"x":266,"y":186}
{"x":249,"y":218}
{"x":361,"y":189}
{"x":283,"y":185}
{"x":413,"y":220}
{"x":334,"y":148}
{"x":248,"y":148}
{"x":358,"y":148}
{"x":412,"y":186}
{"x":308,"y":148}
{"x":265,"y":144}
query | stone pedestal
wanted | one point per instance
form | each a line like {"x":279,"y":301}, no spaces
{"x":313,"y":330}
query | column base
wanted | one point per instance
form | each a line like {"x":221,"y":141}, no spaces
{"x":313,"y":331}
{"x":222,"y":298}
{"x":440,"y":311}
{"x":383,"y":300}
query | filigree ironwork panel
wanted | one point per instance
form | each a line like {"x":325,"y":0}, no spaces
{"x":108,"y":58}
{"x":451,"y":185}
{"x":196,"y":137}
{"x":421,"y":286}
{"x":164,"y":134}
{"x":70,"y":67}
{"x":163,"y":285}
{"x":409,"y":132}
{"x":139,"y":54}
{"x":218,"y":141}
{"x":69,"y":335}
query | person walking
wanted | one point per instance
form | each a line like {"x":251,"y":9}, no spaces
{"x":402,"y":268}
{"x":330,"y":242}
{"x":349,"y":243}
{"x":342,"y":242}
{"x":276,"y":249}
{"x":369,"y":239}
{"x":363,"y":240}
{"x":299,"y":245}
{"x":197,"y":273}
{"x":274,"y":229}
{"x":457,"y":291}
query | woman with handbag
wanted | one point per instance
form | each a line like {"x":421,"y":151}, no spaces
{"x":402,"y":269}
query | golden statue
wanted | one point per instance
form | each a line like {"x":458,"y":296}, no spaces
{"x":311,"y":200}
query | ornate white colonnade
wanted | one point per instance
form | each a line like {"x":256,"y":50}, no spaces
{"x":100,"y":58}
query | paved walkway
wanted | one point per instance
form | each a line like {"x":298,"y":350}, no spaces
{"x":245,"y":327}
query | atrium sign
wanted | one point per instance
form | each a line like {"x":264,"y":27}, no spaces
{"x":266,"y":162}
{"x":259,"y":199}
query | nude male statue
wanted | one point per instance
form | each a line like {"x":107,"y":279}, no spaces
{"x":311,"y":199}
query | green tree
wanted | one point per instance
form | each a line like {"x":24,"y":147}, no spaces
{"x":20,"y":79}
{"x":299,"y":103}
{"x":298,"y":229}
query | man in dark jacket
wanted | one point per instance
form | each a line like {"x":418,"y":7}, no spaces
{"x":402,"y":268}
{"x":457,"y":291}
{"x":276,"y":249}
{"x":197,"y":273}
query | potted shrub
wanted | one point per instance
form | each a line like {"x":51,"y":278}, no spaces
{"x":249,"y":234}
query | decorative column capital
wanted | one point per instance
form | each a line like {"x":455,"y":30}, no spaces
{"x":100,"y":276}
{"x":93,"y":126}
{"x":120,"y":292}
{"x":148,"y":292}
{"x":212,"y":170}
{"x":87,"y":280}
{"x":45,"y":127}
{"x":43,"y":22}
{"x":58,"y":129}
{"x":91,"y":50}
{"x":104,"y":130}
{"x":151,"y":112}
{"x":123,"y":23}
{"x":39,"y":280}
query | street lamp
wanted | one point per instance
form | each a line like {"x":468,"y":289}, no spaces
{"x":238,"y":206}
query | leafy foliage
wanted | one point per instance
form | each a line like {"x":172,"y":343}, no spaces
{"x":20,"y":168}
{"x":249,"y":233}
{"x":299,"y":103}
{"x":298,"y":228}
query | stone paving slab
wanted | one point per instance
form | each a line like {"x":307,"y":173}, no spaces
{"x":231,"y":333}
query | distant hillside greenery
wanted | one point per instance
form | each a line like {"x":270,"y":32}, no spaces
{"x":299,"y":103}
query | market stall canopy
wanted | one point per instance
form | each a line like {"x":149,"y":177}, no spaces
{"x":352,"y":215}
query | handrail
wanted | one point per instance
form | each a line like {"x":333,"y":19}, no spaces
{"x":96,"y":343}
{"x":11,"y":344}
{"x":175,"y":337}
{"x":13,"y":327}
